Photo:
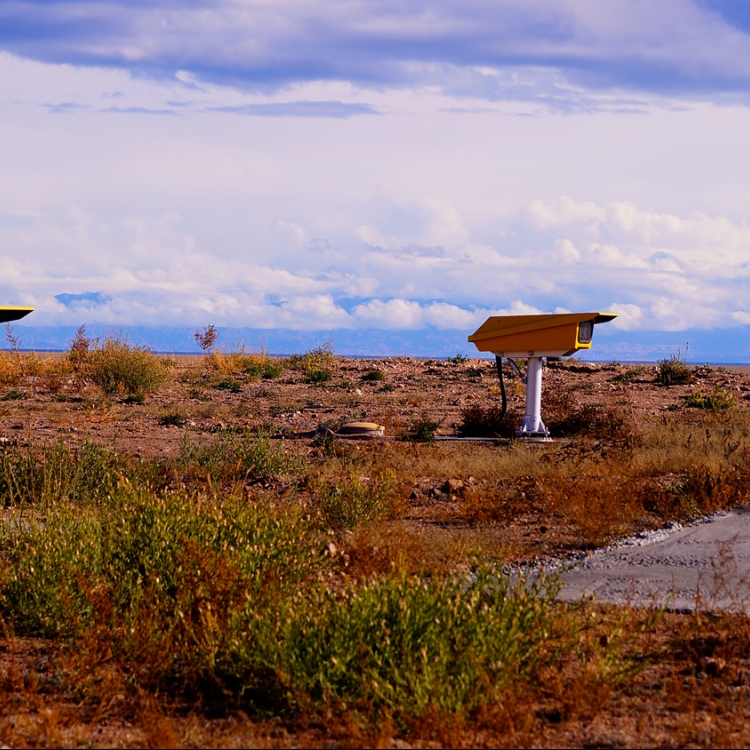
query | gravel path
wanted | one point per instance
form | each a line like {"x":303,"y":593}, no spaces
{"x":705,"y":564}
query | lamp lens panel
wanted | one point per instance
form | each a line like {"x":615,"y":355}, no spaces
{"x":585,"y":331}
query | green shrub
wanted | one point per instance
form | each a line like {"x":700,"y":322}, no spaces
{"x":228,"y":384}
{"x":172,"y":419}
{"x":374,"y":375}
{"x":401,"y":646}
{"x":719,"y":400}
{"x":346,"y":505}
{"x":237,"y":457}
{"x":387,"y":388}
{"x":14,"y":395}
{"x":263,"y":368}
{"x":630,"y":374}
{"x":59,"y":473}
{"x":164,"y":580}
{"x":422,"y":430}
{"x":208,"y":595}
{"x":118,"y":366}
{"x":317,"y":375}
{"x":271,"y":371}
{"x":673,"y":371}
{"x":320,"y":357}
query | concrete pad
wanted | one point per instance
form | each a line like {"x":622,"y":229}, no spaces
{"x":704,"y":565}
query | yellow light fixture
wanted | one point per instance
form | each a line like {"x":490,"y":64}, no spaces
{"x":538,"y":335}
{"x":7,"y":314}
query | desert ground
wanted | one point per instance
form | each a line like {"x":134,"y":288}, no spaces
{"x":635,"y":448}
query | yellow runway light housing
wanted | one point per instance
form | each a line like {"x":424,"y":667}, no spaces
{"x":7,"y":314}
{"x":534,"y":337}
{"x":538,"y":335}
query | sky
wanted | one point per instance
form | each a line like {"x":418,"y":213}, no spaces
{"x":374,"y":165}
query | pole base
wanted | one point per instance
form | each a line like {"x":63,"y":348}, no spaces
{"x":535,"y":436}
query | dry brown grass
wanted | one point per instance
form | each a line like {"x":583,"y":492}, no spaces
{"x":599,"y":488}
{"x":238,"y":360}
{"x":417,"y":548}
{"x":19,"y":368}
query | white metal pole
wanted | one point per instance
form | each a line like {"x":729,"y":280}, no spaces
{"x":532,"y":421}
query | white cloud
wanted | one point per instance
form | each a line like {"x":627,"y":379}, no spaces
{"x":154,"y":271}
{"x":698,"y":237}
{"x":400,"y":313}
{"x":415,"y":218}
{"x":297,"y":232}
{"x":371,"y":236}
{"x":629,"y":317}
{"x":611,"y":256}
{"x":566,"y":251}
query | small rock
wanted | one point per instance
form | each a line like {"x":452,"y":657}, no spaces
{"x":743,"y":678}
{"x":331,"y":549}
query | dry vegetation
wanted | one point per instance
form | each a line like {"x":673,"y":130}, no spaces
{"x":190,"y":556}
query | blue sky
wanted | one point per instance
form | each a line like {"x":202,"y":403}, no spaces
{"x":356,"y":165}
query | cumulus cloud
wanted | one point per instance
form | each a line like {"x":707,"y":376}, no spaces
{"x":401,"y":313}
{"x":153,"y":270}
{"x":697,"y":237}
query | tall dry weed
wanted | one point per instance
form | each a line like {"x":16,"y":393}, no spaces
{"x":25,"y":368}
{"x":255,"y":364}
{"x":599,"y":507}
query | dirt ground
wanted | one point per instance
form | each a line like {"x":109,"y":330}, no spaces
{"x":201,"y":404}
{"x":439,"y":389}
{"x":693,"y":692}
